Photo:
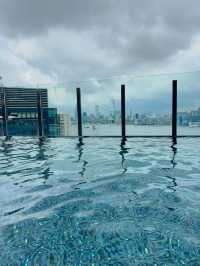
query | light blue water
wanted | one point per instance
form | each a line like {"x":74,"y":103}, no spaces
{"x":101,"y":203}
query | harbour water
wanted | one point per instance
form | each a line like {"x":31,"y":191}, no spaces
{"x":101,"y":203}
{"x":133,"y":130}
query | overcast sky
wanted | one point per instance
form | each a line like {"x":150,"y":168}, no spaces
{"x":50,"y":42}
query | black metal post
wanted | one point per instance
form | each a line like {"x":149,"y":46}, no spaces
{"x":123,"y":112}
{"x":79,"y":113}
{"x":174,"y":110}
{"x":4,"y":114}
{"x":40,"y":113}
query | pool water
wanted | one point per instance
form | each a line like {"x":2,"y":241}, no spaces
{"x":101,"y":203}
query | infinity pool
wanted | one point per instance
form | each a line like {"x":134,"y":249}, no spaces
{"x":100,"y":203}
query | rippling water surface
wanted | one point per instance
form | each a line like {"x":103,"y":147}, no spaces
{"x":100,"y":203}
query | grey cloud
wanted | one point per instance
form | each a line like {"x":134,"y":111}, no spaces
{"x":82,"y":39}
{"x":22,"y":17}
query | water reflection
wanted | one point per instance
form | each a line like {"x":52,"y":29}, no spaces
{"x":6,"y":158}
{"x":6,"y":147}
{"x":41,"y":150}
{"x":80,"y":149}
{"x":174,"y":150}
{"x":41,"y":156}
{"x":173,"y":163}
{"x":122,"y":152}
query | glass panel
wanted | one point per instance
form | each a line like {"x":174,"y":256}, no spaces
{"x":61,"y":111}
{"x":148,"y":105}
{"x":189,"y":104}
{"x":101,"y":107}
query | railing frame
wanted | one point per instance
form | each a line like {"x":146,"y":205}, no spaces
{"x":123,"y":112}
{"x":4,"y":114}
{"x":174,"y":110}
{"x":79,"y":115}
{"x":174,"y":135}
{"x":40,"y":114}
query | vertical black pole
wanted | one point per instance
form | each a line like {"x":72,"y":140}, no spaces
{"x":4,"y":114}
{"x":79,"y":113}
{"x":40,"y":117}
{"x":174,"y":110}
{"x":123,"y":112}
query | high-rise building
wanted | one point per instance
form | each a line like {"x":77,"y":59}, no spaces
{"x":65,"y":124}
{"x":22,"y":112}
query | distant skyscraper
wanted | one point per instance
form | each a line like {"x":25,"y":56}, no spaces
{"x":85,"y":117}
{"x":114,"y":105}
{"x":97,"y":112}
{"x":114,"y":111}
{"x":75,"y":114}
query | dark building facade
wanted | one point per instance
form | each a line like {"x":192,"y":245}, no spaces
{"x":22,"y":112}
